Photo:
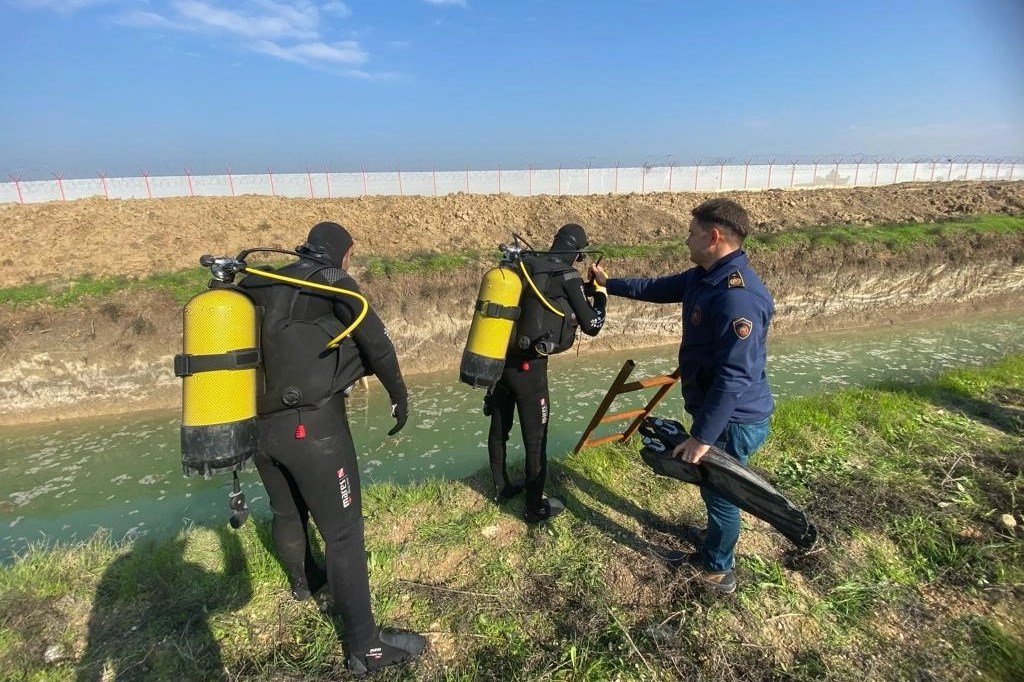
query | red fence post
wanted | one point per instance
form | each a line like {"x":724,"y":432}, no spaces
{"x":874,"y":181}
{"x":670,"y":165}
{"x":746,"y":170}
{"x":1012,"y":165}
{"x":643,"y":178}
{"x":696,"y":171}
{"x":434,"y":174}
{"x":949,"y":173}
{"x":270,"y":174}
{"x":149,"y":191}
{"x":792,"y":174}
{"x":999,"y":162}
{"x":914,"y":179}
{"x":231,"y":181}
{"x":467,"y":178}
{"x":835,"y":173}
{"x":931,"y":178}
{"x":309,"y":179}
{"x":401,"y":192}
{"x":499,"y":178}
{"x":771,"y":163}
{"x":327,"y":177}
{"x":967,"y":171}
{"x":616,"y":190}
{"x":103,"y":181}
{"x":362,"y":171}
{"x":188,"y":176}
{"x":856,"y":174}
{"x":588,"y":177}
{"x":982,"y":176}
{"x":896,"y":177}
{"x":721,"y":175}
{"x":60,"y":184}
{"x":21,"y":199}
{"x":814,"y":176}
{"x":529,"y":180}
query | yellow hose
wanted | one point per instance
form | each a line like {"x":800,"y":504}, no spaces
{"x":533,"y":286}
{"x":333,"y":343}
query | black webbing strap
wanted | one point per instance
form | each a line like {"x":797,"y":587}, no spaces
{"x":243,"y":358}
{"x":492,"y":309}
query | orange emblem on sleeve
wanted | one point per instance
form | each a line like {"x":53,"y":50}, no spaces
{"x":742,"y":326}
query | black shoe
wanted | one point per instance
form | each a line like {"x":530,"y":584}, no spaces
{"x":509,"y":491}
{"x":550,"y":507}
{"x":722,"y":581}
{"x":393,"y":647}
{"x":695,"y":535}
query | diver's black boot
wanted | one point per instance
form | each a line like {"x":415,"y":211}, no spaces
{"x":393,"y":647}
{"x":550,"y":507}
{"x":309,"y":584}
{"x":508,"y":491}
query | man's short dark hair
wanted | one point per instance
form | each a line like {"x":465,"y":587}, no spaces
{"x":724,"y":213}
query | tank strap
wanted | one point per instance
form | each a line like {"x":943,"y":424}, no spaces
{"x":492,"y":309}
{"x":186,"y":365}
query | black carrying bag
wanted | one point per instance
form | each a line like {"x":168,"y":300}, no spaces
{"x":727,"y":476}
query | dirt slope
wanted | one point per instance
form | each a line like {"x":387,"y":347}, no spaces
{"x":115,"y":354}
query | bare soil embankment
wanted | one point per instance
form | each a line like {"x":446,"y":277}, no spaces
{"x":114,"y":354}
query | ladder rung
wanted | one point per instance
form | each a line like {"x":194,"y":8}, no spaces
{"x":646,"y":383}
{"x":622,"y":415}
{"x":604,"y":439}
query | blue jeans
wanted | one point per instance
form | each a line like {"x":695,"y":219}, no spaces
{"x":740,"y":441}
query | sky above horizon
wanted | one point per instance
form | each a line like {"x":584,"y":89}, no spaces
{"x":122,"y":87}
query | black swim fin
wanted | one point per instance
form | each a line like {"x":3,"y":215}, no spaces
{"x":725,"y":474}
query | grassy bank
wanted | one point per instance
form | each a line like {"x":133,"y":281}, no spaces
{"x":182,"y":285}
{"x":916,"y":576}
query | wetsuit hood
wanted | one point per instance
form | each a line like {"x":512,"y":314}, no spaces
{"x":328,"y":240}
{"x":570,"y":237}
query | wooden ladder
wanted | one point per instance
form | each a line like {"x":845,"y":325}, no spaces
{"x":618,"y":387}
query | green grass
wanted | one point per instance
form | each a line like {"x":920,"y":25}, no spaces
{"x":182,"y":285}
{"x":913,"y":571}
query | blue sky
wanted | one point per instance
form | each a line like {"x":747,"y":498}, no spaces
{"x":123,"y":86}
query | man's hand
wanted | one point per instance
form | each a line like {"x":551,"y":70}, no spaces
{"x":597,"y":274}
{"x":691,"y":450}
{"x":400,"y":411}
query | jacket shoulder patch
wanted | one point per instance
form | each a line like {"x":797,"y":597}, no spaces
{"x":735,"y":281}
{"x":742,"y":326}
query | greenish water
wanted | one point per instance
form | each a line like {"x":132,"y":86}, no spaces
{"x":63,"y":481}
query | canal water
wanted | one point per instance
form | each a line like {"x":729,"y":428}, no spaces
{"x":64,"y":481}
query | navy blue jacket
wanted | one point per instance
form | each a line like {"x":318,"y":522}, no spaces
{"x":726,"y":312}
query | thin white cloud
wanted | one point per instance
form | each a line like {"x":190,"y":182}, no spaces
{"x":449,"y":3}
{"x":297,"y":31}
{"x":338,"y":9}
{"x":343,"y":52}
{"x":274,"y":21}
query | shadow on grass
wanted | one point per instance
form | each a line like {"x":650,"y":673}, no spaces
{"x":150,"y":613}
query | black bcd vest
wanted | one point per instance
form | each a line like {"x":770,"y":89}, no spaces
{"x":539,"y":331}
{"x":298,"y":370}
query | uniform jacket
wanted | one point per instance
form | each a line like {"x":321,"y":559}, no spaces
{"x":726,"y":312}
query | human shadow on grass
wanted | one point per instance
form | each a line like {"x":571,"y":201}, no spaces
{"x":151,"y":611}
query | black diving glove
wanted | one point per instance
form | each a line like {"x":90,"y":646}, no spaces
{"x":400,"y":411}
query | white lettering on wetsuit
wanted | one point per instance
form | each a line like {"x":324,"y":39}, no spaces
{"x":345,"y":487}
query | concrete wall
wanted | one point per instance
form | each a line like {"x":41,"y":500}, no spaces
{"x":704,"y":178}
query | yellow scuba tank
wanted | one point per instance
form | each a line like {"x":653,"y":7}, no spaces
{"x":218,"y":368}
{"x":494,"y":319}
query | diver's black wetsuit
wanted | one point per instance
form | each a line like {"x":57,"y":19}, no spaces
{"x":316,"y":472}
{"x":524,"y":381}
